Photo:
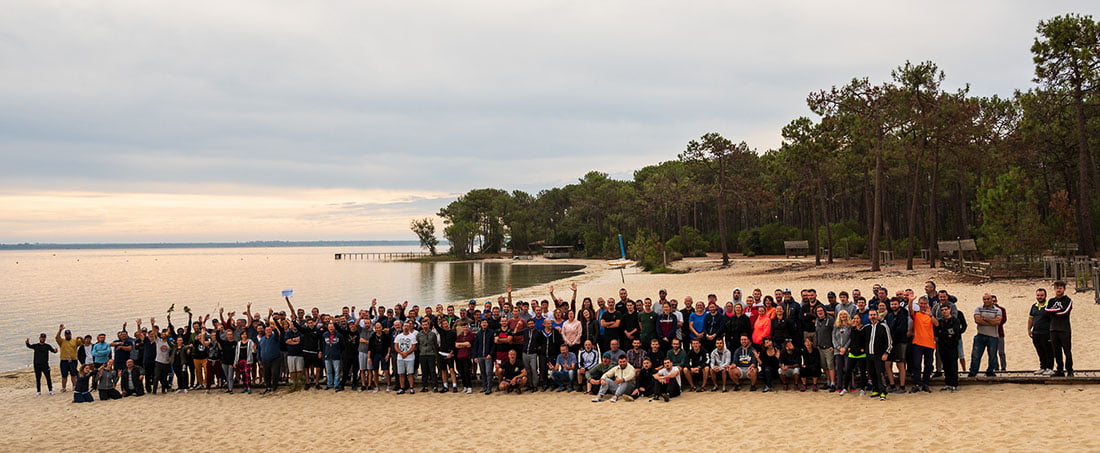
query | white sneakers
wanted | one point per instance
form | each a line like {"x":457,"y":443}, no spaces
{"x":37,"y":393}
{"x":469,"y":390}
{"x":1044,"y":372}
{"x":51,"y":392}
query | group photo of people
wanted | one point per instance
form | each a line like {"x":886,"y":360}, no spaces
{"x":614,"y":348}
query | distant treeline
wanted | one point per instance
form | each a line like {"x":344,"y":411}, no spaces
{"x":206,"y":245}
{"x":895,"y":165}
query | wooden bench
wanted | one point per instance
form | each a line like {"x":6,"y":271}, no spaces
{"x":792,"y":248}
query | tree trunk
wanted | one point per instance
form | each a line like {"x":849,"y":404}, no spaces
{"x":913,"y":173}
{"x":876,"y":225}
{"x":721,"y":205}
{"x":1085,"y":236}
{"x":817,"y":246}
{"x":828,"y":229}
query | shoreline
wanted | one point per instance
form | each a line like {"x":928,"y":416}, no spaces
{"x":36,"y":420}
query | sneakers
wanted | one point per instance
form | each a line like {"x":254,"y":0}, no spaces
{"x":842,"y":391}
{"x":882,"y":397}
{"x":614,"y":399}
{"x":1069,"y":374}
{"x":1040,"y":371}
{"x":665,"y":397}
{"x":766,"y":389}
{"x":925,"y":389}
{"x":915,"y":389}
{"x":51,"y":392}
{"x":411,"y":392}
{"x":469,"y":390}
{"x":990,"y":374}
{"x":400,"y":391}
{"x":655,"y":398}
{"x":37,"y":393}
{"x":597,"y":399}
{"x":1048,"y":372}
{"x":1057,"y":374}
{"x":874,"y":394}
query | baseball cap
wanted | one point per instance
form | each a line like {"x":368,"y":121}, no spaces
{"x":786,"y":290}
{"x":606,"y":354}
{"x":831,"y":294}
{"x":42,"y":335}
{"x":68,"y":331}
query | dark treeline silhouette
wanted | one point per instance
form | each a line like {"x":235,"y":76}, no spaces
{"x":893,"y":165}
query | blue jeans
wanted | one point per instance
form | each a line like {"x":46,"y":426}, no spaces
{"x":332,"y":373}
{"x":486,"y":367}
{"x":983,"y":344}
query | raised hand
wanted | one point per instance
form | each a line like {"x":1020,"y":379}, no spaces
{"x":373,"y":302}
{"x":573,"y":286}
{"x":509,"y":287}
{"x":551,"y":288}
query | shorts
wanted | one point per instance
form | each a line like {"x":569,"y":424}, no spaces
{"x":789,"y":372}
{"x":899,"y":353}
{"x":446,"y":363}
{"x":363,"y":360}
{"x":828,"y":359}
{"x":744,"y":371}
{"x":295,"y":363}
{"x":312,"y":361}
{"x":68,"y":368}
{"x":406,"y":366}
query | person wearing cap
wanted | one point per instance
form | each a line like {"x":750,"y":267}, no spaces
{"x":42,"y":352}
{"x":595,"y":374}
{"x":69,"y":348}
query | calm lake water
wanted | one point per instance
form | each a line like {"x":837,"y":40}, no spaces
{"x":94,"y":291}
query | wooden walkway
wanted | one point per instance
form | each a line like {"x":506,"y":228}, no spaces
{"x":380,"y":255}
{"x":1081,"y":377}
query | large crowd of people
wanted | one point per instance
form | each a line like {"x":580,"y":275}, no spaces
{"x":613,"y":348}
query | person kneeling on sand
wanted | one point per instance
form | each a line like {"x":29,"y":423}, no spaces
{"x":619,"y":380}
{"x":513,"y":375}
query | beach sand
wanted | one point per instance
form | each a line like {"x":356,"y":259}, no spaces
{"x":998,"y":417}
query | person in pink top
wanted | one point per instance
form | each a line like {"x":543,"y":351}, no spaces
{"x":571,"y":331}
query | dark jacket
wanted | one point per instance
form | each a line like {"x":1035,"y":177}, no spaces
{"x":484,"y":345}
{"x":737,"y":326}
{"x":1059,"y":308}
{"x":549,"y":344}
{"x":899,"y":325}
{"x":949,"y":332}
{"x":878,"y":339}
{"x":786,"y":329}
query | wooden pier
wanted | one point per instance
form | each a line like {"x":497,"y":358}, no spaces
{"x":381,"y":256}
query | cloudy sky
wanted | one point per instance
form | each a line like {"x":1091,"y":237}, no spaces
{"x":133,"y":121}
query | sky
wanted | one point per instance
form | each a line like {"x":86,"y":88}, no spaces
{"x":136,"y":121}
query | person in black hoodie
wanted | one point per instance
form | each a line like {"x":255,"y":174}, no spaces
{"x":785,"y":329}
{"x":878,"y":352}
{"x":738,"y":325}
{"x":551,"y":342}
{"x":897,"y":320}
{"x":948,"y":333}
{"x":1059,"y":309}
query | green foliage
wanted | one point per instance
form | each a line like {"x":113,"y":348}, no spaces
{"x":461,"y":236}
{"x":767,"y":239}
{"x":1008,"y":208}
{"x":646,"y":250}
{"x":689,"y":242}
{"x":425,"y":231}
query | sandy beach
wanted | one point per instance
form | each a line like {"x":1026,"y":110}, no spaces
{"x":1008,"y":416}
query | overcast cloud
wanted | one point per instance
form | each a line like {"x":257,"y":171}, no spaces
{"x":175,"y":121}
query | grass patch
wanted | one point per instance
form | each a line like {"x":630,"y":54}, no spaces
{"x":668,"y":270}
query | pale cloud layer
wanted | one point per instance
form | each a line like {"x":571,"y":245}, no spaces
{"x":128,"y":120}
